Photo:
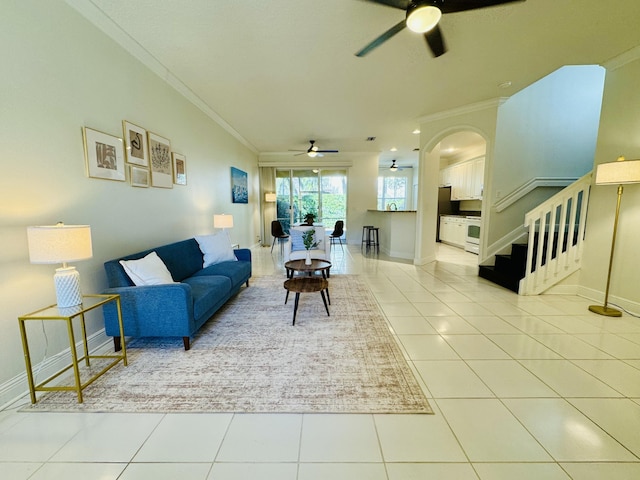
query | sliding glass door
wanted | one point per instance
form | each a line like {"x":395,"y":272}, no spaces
{"x":322,"y":193}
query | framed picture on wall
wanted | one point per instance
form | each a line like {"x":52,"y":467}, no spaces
{"x":179,"y":169}
{"x":139,"y":177}
{"x":103,"y":154}
{"x":239,"y":186}
{"x":160,"y":160}
{"x":135,"y":144}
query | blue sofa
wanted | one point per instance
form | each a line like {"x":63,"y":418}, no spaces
{"x":178,"y":309}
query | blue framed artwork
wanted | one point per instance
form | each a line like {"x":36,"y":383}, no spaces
{"x":239,"y":189}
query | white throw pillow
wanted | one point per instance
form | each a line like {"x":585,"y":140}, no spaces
{"x":149,"y":270}
{"x":215,"y":248}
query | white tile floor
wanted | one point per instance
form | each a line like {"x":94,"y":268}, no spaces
{"x":523,"y":388}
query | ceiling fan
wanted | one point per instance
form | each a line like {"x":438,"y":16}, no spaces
{"x":313,"y":151}
{"x":422,"y":16}
{"x":394,"y":167}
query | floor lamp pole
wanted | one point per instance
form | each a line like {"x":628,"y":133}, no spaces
{"x":604,"y":309}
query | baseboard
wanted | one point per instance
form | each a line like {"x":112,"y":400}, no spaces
{"x":562,"y":290}
{"x":424,"y":260}
{"x":18,"y":386}
{"x":598,"y":297}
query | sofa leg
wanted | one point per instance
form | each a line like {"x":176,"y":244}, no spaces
{"x":117,"y":345}
{"x":187,"y":345}
{"x":247,"y":283}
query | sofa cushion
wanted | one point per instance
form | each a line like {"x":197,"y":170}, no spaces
{"x":207,"y":292}
{"x":237,"y":271}
{"x":215,"y":248}
{"x":182,"y":259}
{"x":149,"y":270}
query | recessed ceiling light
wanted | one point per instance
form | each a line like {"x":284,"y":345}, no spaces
{"x":393,"y":149}
{"x":416,"y":131}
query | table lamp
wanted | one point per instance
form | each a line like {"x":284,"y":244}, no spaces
{"x":61,"y":244}
{"x":270,"y":197}
{"x":223,"y":221}
{"x":615,"y":173}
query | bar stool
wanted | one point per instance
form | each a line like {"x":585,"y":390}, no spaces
{"x":373,"y":239}
{"x":365,"y":235}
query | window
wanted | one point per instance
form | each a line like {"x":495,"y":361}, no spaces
{"x":392,"y":192}
{"x":321,"y":192}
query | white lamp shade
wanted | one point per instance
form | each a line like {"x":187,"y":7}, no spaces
{"x":619,"y":172}
{"x":223,"y":221}
{"x":59,"y":243}
{"x":270,"y":197}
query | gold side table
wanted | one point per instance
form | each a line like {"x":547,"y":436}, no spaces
{"x":67,"y":314}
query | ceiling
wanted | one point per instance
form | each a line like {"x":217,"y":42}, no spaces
{"x":282,"y":72}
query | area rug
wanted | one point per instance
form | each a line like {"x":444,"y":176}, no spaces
{"x":249,"y":358}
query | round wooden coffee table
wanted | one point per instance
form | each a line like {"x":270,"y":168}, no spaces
{"x":306,"y":285}
{"x":316,"y":265}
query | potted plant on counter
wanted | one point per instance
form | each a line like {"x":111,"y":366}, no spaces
{"x":309,"y":218}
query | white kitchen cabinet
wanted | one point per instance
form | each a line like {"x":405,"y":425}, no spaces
{"x":477,"y":186}
{"x":466,"y":179}
{"x":453,"y":230}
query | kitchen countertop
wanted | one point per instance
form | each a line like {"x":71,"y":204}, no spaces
{"x":392,"y":211}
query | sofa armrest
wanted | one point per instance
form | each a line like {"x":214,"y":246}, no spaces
{"x":152,"y":310}
{"x":243,"y":254}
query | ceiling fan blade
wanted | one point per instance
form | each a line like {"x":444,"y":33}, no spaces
{"x":327,"y":151}
{"x":382,"y":38}
{"x":401,"y":4}
{"x":435,"y":41}
{"x":452,"y":6}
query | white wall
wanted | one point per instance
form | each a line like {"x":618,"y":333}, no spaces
{"x":549,"y":129}
{"x":619,"y":134}
{"x":60,"y":73}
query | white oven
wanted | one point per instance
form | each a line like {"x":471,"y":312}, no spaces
{"x":472,"y":242}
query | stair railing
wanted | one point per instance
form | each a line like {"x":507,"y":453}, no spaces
{"x":556,"y":236}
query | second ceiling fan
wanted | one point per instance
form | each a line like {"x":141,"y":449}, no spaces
{"x":313,"y":150}
{"x":422,"y":16}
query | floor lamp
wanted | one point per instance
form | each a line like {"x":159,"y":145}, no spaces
{"x":615,"y":173}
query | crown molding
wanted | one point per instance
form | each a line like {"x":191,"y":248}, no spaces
{"x":623,"y":59}
{"x":473,"y":107}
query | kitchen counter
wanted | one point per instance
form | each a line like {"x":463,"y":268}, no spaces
{"x":397,"y":234}
{"x":393,"y":211}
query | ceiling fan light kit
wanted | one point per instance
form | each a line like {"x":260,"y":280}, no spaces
{"x":422,"y":17}
{"x":313,"y":151}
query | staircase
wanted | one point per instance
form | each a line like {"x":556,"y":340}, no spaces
{"x":509,"y":268}
{"x":560,"y":223}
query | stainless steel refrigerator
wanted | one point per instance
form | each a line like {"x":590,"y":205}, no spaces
{"x":446,"y":206}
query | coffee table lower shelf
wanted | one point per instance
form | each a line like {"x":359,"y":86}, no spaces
{"x":300,"y":285}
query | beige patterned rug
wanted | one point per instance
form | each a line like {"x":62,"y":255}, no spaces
{"x":249,"y":358}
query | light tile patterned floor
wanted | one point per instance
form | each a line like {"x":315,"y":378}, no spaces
{"x":523,"y":387}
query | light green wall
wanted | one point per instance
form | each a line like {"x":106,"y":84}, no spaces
{"x":619,"y":135}
{"x":60,"y":73}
